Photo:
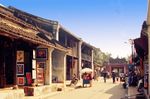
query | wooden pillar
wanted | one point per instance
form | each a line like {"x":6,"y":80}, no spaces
{"x":80,"y":58}
{"x":14,"y":63}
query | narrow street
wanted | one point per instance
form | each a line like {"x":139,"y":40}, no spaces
{"x":99,"y":90}
{"x":49,"y":49}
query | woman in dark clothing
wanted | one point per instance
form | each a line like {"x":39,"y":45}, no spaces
{"x":113,"y":76}
{"x":104,"y":72}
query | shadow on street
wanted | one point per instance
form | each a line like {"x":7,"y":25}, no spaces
{"x":117,"y":91}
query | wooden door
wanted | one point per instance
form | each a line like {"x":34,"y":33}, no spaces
{"x":2,"y":72}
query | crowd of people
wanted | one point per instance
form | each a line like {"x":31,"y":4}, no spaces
{"x":130,"y":79}
{"x":106,"y":75}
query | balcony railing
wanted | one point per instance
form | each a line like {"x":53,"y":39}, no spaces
{"x":86,"y":57}
{"x":72,"y":51}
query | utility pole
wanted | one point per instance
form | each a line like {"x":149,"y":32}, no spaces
{"x":132,"y":49}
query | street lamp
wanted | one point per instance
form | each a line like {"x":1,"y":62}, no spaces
{"x":131,"y":41}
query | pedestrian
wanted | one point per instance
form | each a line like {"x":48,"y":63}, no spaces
{"x":95,"y":77}
{"x":90,"y":79}
{"x":104,"y":72}
{"x":113,"y":76}
{"x":74,"y":80}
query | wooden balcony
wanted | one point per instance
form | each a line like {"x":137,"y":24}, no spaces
{"x":72,"y":52}
{"x":86,"y":57}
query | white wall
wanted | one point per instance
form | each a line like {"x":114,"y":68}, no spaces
{"x":58,"y":65}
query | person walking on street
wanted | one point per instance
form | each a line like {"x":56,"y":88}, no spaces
{"x":104,"y":72}
{"x":95,"y":77}
{"x":113,"y":76}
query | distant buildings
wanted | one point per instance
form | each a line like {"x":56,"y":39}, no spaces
{"x":117,"y":65}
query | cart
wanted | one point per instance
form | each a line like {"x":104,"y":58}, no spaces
{"x":87,"y":79}
{"x":87,"y":76}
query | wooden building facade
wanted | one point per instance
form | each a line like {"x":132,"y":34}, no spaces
{"x":26,"y":49}
{"x":35,"y":51}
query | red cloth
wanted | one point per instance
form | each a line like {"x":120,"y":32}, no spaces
{"x":29,"y":79}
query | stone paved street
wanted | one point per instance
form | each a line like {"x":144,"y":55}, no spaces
{"x":99,"y":90}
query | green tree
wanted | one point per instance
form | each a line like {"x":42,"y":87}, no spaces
{"x":100,"y":57}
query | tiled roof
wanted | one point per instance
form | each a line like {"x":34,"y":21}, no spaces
{"x":10,"y":29}
{"x":117,"y":61}
{"x":14,"y":27}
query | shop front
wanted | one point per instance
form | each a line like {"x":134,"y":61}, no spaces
{"x":71,"y":67}
{"x":16,"y":62}
{"x":27,"y":55}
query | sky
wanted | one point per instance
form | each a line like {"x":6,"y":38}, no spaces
{"x":105,"y":24}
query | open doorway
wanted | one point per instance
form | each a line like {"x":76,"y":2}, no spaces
{"x":68,"y":68}
{"x":7,"y":65}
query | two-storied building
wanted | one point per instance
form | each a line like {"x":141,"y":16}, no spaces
{"x":38,"y":52}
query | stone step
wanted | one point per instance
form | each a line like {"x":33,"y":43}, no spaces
{"x":12,"y":94}
{"x":39,"y":90}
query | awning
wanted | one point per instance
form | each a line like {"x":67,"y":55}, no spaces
{"x":141,"y":46}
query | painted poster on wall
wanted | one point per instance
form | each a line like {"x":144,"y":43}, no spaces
{"x":20,"y":69}
{"x":20,"y":80}
{"x":40,"y":76}
{"x":20,"y":56}
{"x":42,"y":53}
{"x":41,"y":64}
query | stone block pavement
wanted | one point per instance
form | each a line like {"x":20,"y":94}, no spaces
{"x":99,"y":89}
{"x":132,"y":91}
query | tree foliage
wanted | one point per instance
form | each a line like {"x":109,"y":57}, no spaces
{"x":100,"y":57}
